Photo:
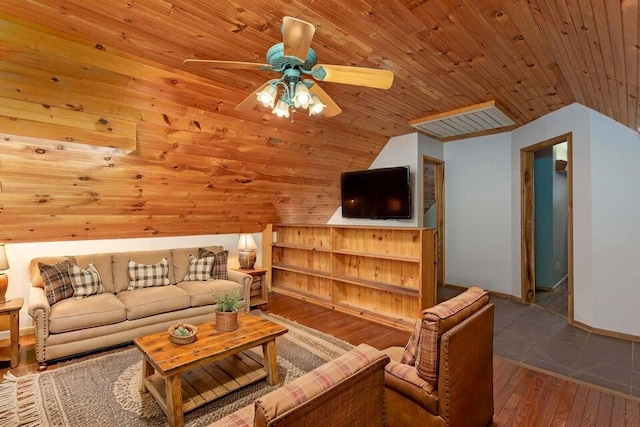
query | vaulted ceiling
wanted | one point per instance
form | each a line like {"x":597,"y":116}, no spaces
{"x":201,"y":167}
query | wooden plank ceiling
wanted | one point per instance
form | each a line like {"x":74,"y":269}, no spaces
{"x":200,"y":167}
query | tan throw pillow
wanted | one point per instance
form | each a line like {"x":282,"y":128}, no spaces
{"x":57,"y":283}
{"x":199,"y":269}
{"x":219,"y":269}
{"x":85,"y":282}
{"x":146,"y":276}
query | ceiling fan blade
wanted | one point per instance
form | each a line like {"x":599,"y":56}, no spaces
{"x":297,"y":37}
{"x":251,"y":100}
{"x":370,"y":77}
{"x":331,"y":108}
{"x":229,"y":64}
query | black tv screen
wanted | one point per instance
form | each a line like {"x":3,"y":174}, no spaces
{"x":377,"y":193}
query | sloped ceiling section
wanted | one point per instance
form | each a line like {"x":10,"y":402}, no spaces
{"x":201,"y":167}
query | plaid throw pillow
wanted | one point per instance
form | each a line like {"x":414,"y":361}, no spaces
{"x":85,"y":282}
{"x":146,"y":276}
{"x":409,"y":353}
{"x":219,"y":269}
{"x":57,"y":284}
{"x":199,"y":269}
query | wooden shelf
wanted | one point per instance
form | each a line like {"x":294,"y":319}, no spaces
{"x":377,"y":255}
{"x":389,"y":318}
{"x":302,"y":270}
{"x":385,"y":274}
{"x":387,"y":287}
{"x":297,"y":293}
{"x":301,"y":247}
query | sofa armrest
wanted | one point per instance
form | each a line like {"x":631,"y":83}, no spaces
{"x":343,"y":391}
{"x":39,"y":310}
{"x":465,"y":381}
{"x":245,"y":280}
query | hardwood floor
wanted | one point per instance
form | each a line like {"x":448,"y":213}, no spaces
{"x":522,"y":396}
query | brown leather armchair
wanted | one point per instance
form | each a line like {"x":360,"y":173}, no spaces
{"x":444,"y":375}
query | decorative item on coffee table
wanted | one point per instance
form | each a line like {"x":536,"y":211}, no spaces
{"x":182,"y":333}
{"x":227,"y":305}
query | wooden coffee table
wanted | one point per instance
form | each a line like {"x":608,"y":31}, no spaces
{"x":184,"y":377}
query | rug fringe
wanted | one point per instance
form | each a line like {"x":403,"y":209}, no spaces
{"x":19,"y":402}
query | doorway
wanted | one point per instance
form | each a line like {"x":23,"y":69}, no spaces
{"x":547,"y":223}
{"x":432,"y":207}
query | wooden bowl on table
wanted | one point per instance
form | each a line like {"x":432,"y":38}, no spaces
{"x":179,"y":338}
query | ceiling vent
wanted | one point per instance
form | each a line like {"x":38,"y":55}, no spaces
{"x":476,"y":120}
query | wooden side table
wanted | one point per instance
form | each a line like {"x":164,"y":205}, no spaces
{"x":258,"y":287}
{"x":12,"y":309}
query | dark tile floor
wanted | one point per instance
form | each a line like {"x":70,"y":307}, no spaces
{"x":533,"y":336}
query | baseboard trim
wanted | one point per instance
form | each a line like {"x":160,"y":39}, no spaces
{"x":494,"y":293}
{"x":606,"y":332}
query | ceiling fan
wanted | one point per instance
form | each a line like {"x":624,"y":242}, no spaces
{"x":294,"y":59}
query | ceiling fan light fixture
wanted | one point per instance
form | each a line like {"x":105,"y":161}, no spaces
{"x":267,"y":97}
{"x":316,"y":106}
{"x":302,"y":97}
{"x":281,"y":109}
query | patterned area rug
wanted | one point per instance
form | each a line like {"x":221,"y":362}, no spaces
{"x":104,"y":389}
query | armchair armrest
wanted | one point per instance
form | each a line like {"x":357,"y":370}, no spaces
{"x":245,"y":280}
{"x":404,"y":379}
{"x":465,"y":382}
{"x":343,"y":391}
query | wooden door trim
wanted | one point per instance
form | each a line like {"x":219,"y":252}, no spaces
{"x":527,"y":226}
{"x":440,"y":223}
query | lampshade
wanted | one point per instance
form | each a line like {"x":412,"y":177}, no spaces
{"x":267,"y":96}
{"x":246,"y":243}
{"x":282,"y":109}
{"x":316,"y":105}
{"x":4,"y":263}
{"x":302,"y":97}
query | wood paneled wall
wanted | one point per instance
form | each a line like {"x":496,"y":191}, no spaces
{"x":195,"y":170}
{"x":201,"y":167}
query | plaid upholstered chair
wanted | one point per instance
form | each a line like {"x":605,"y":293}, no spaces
{"x":444,"y":375}
{"x":344,"y":392}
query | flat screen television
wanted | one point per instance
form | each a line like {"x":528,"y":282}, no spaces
{"x":377,"y":193}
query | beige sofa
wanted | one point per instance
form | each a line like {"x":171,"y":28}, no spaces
{"x":344,"y":392}
{"x":73,"y":326}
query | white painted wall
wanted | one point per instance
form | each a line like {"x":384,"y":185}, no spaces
{"x":478,"y":212}
{"x":428,"y":146}
{"x":399,"y":151}
{"x":20,"y":254}
{"x":574,"y":118}
{"x":615,"y":228}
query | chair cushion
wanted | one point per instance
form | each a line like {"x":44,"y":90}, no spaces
{"x":204,"y":292}
{"x":95,"y":310}
{"x":57,"y":283}
{"x":439,"y":319}
{"x":85,"y":282}
{"x":145,"y":302}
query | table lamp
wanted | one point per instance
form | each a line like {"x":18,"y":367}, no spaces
{"x":4,"y":279}
{"x":246,"y":251}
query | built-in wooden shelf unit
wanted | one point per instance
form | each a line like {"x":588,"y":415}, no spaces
{"x":385,"y":274}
